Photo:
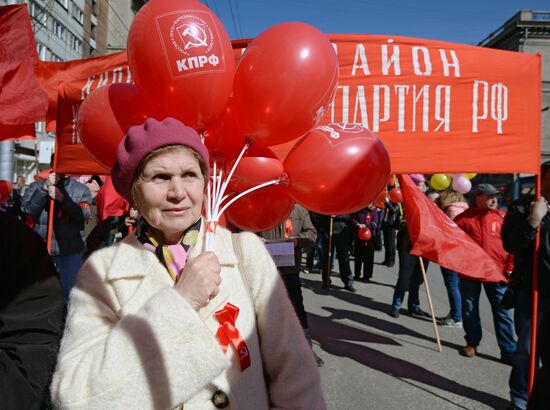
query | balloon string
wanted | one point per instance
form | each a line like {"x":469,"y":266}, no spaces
{"x":215,"y":197}
{"x":229,"y":176}
{"x":248,"y":191}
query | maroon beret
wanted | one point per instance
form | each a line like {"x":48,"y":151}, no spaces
{"x":145,"y":138}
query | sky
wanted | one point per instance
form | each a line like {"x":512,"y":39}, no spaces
{"x":464,"y":21}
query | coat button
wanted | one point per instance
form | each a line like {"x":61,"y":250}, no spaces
{"x":220,"y":399}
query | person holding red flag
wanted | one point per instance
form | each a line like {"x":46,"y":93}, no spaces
{"x":483,"y":223}
{"x":525,"y":217}
{"x":410,"y":273}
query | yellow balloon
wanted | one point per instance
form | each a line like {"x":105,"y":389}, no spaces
{"x":470,"y":176}
{"x":440,"y":182}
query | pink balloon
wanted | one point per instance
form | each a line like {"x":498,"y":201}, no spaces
{"x":462,"y":184}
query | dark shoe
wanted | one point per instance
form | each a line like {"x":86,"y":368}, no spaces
{"x":394,"y":312}
{"x":350,"y":288}
{"x":468,"y":351}
{"x":318,"y":360}
{"x":419,"y":313}
{"x":507,"y":359}
{"x":443,"y":318}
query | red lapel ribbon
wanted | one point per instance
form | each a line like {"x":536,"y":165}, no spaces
{"x":227,"y":332}
{"x":211,"y":226}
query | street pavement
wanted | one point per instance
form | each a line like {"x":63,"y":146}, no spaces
{"x":375,"y":361}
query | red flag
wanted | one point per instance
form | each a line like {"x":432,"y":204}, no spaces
{"x":10,"y":132}
{"x":72,"y":156}
{"x":85,"y":75}
{"x":436,"y":237}
{"x":109,"y":202}
{"x":22,"y":102}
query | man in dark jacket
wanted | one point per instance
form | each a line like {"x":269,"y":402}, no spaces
{"x":525,"y":217}
{"x":391,"y":217}
{"x":410,"y":275}
{"x":31,"y":317}
{"x":341,"y":242}
{"x":72,"y":208}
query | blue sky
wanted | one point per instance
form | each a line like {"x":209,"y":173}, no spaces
{"x":464,"y":21}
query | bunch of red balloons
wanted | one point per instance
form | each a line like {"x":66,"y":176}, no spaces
{"x":183,"y":65}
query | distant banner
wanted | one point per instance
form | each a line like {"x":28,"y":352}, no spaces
{"x":440,"y":107}
{"x":72,"y":156}
{"x":86,"y":75}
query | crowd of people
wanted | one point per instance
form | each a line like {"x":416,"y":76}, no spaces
{"x":119,"y":306}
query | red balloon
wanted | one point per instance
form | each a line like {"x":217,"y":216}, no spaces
{"x":182,"y":61}
{"x":105,"y":116}
{"x":396,"y":196}
{"x":364,"y":234}
{"x":224,"y":138}
{"x":253,"y":171}
{"x":337,"y":169}
{"x":258,"y":166}
{"x":261,"y":210}
{"x":284,"y":82}
{"x":380,"y":200}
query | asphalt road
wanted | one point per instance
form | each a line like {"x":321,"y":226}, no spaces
{"x":374,"y":361}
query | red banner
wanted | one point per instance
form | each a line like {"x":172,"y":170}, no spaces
{"x":440,"y":107}
{"x":85,"y":75}
{"x":436,"y":237}
{"x":22,"y":102}
{"x":72,"y":157}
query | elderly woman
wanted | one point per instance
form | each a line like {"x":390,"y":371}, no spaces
{"x":157,"y":323}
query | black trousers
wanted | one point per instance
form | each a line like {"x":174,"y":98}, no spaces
{"x":294,"y":291}
{"x":389,"y":245}
{"x":364,"y":257}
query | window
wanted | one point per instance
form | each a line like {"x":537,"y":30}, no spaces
{"x":37,"y":14}
{"x":64,"y":3}
{"x":41,"y":50}
{"x":76,"y":44}
{"x":55,"y":57}
{"x":77,"y":14}
{"x":59,"y":29}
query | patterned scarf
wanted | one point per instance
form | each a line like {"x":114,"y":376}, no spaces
{"x":173,"y":257}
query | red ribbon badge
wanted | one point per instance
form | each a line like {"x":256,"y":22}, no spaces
{"x":211,"y":226}
{"x":227,"y":332}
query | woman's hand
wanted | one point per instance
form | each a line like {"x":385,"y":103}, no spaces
{"x":200,"y":280}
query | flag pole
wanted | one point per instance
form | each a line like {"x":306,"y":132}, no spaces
{"x":326,"y":277}
{"x":436,"y":330}
{"x":534,"y":300}
{"x":49,"y":234}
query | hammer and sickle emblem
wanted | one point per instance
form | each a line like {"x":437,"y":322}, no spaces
{"x":192,"y":35}
{"x":243,"y":352}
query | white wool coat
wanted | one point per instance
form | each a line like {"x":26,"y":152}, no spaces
{"x":132,"y":342}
